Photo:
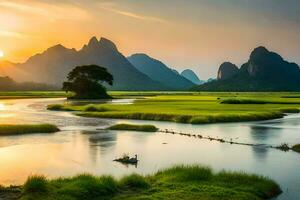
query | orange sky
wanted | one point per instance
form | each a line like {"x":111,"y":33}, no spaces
{"x":198,"y":34}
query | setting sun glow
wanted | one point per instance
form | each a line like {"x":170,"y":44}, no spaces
{"x":1,"y":54}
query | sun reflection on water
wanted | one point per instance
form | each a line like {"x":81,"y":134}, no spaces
{"x":2,"y":107}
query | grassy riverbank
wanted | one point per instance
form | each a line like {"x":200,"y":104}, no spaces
{"x":195,"y":108}
{"x":180,"y":182}
{"x":8,"y":129}
{"x":133,"y":127}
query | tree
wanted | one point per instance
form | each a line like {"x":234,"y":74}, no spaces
{"x":87,"y":82}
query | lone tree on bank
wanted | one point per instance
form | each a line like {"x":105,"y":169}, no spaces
{"x":87,"y":82}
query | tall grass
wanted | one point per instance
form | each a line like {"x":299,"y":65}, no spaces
{"x":192,"y":119}
{"x":179,"y":182}
{"x":36,"y":184}
{"x":134,"y":181}
{"x":10,"y":129}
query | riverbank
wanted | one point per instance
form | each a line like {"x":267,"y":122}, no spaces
{"x":179,"y":182}
{"x":194,"y":108}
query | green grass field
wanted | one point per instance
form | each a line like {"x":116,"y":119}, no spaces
{"x":7,"y":129}
{"x":179,"y":182}
{"x":194,"y":108}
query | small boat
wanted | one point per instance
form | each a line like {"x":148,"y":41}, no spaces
{"x":127,"y":160}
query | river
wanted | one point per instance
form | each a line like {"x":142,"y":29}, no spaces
{"x":81,"y":146}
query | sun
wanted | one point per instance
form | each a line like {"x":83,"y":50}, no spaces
{"x":1,"y":54}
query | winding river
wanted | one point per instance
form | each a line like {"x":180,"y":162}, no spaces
{"x":82,"y":147}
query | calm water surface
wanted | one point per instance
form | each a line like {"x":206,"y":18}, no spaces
{"x":82,"y":147}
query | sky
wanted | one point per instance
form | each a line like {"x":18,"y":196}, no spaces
{"x":195,"y":34}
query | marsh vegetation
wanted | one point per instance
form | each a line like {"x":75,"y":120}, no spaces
{"x":134,"y":127}
{"x":179,"y":182}
{"x":194,"y":108}
{"x":13,"y":129}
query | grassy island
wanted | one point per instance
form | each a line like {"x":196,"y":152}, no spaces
{"x":180,"y":182}
{"x":133,"y":127}
{"x":10,"y":129}
{"x":194,"y":108}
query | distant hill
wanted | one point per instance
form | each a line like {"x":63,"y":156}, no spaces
{"x":159,"y":72}
{"x":190,"y":75}
{"x":8,"y":84}
{"x":264,"y":71}
{"x":53,"y":65}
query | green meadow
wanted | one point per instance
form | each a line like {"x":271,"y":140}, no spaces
{"x":194,"y":108}
{"x":179,"y":182}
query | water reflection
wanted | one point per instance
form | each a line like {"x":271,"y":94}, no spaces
{"x":261,"y":133}
{"x":260,"y":153}
{"x":2,"y":107}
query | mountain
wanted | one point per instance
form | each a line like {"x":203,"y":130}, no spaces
{"x":159,"y":72}
{"x":53,"y":65}
{"x":227,"y":70}
{"x":190,"y":75}
{"x":264,"y":71}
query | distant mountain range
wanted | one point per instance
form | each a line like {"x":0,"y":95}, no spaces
{"x":159,"y":72}
{"x":52,"y":66}
{"x":190,"y":75}
{"x":264,"y":71}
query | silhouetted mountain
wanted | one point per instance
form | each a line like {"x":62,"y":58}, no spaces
{"x":227,"y":70}
{"x":158,"y":71}
{"x":53,"y":65}
{"x":190,"y":75}
{"x":264,"y":71}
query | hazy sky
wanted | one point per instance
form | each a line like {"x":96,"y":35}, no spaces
{"x":196,"y":34}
